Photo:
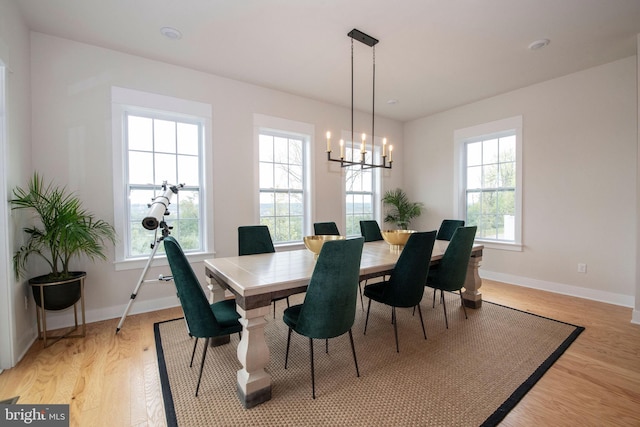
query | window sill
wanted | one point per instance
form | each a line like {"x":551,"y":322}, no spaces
{"x":504,"y":246}
{"x":158,"y":261}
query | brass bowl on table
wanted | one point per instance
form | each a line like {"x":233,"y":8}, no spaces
{"x":314,"y":243}
{"x":396,"y":238}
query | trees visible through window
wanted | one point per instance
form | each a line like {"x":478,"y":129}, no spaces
{"x":282,"y":184}
{"x":491,"y":187}
{"x":490,"y":180}
{"x":359,"y":191}
{"x":163,"y":149}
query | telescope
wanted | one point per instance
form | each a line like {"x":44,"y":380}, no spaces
{"x":159,"y":207}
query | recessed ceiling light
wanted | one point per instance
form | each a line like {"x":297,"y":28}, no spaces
{"x":171,"y":33}
{"x":392,"y":101}
{"x":539,"y":44}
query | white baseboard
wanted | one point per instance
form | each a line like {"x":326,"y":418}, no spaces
{"x":635,"y":317}
{"x":64,"y":318}
{"x":560,"y":288}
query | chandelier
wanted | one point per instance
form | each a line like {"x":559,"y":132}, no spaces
{"x":371,"y":42}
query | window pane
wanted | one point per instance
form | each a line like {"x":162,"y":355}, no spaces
{"x":140,"y":168}
{"x":490,"y":176}
{"x":164,"y":134}
{"x":296,"y":205}
{"x":188,"y":204}
{"x":140,"y":136}
{"x":280,"y":150}
{"x":508,"y":148}
{"x":507,"y":175}
{"x":474,"y":177}
{"x":267,"y":204}
{"x":474,"y":154}
{"x":295,"y":152}
{"x":188,"y":170}
{"x":188,"y":138}
{"x":266,"y":175}
{"x":295,"y":177}
{"x":266,"y":148}
{"x":165,"y":165}
{"x":490,"y":151}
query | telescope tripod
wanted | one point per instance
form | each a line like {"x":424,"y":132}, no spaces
{"x":165,"y":232}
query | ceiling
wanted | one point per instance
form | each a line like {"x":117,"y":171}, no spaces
{"x":433,"y":55}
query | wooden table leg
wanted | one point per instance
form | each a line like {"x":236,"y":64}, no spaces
{"x":254,"y":383}
{"x":471,"y":296}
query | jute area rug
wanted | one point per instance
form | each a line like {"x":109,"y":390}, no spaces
{"x":471,"y":374}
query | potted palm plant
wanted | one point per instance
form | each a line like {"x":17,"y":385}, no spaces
{"x":402,"y":211}
{"x":63,"y":230}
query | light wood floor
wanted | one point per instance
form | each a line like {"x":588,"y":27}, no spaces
{"x":112,"y":380}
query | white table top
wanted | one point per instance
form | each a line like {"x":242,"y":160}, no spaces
{"x":250,"y":275}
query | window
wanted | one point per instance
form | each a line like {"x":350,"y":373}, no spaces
{"x":154,"y":146}
{"x":283,"y":178}
{"x":490,"y":180}
{"x":360,"y":185}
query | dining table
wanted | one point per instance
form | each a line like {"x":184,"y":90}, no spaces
{"x":256,"y":280}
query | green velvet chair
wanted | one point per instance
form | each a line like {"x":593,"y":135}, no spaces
{"x":370,"y":230}
{"x":325,"y":228}
{"x":448,"y":227}
{"x":452,"y":269}
{"x":256,"y":239}
{"x":328,"y":309}
{"x":405,"y":286}
{"x":204,"y":320}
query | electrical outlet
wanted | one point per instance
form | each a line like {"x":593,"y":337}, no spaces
{"x":582,"y":268}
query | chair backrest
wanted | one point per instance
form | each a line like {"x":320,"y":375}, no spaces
{"x":452,"y":270}
{"x":448,"y":227}
{"x":325,"y":228}
{"x":329,"y":306}
{"x":254,"y":239}
{"x":197,"y":310}
{"x":370,"y":230}
{"x":406,"y":284}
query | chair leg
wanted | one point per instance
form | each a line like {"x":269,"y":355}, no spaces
{"x":444,"y":306}
{"x":366,"y":322}
{"x":313,"y":378}
{"x":204,"y":355}
{"x":434,"y":298}
{"x":326,"y":345}
{"x":462,"y":302}
{"x":353,"y":349}
{"x":193,"y":353}
{"x":274,"y":309}
{"x":395,"y":327}
{"x":360,"y":288}
{"x":424,"y":332}
{"x":286,"y":356}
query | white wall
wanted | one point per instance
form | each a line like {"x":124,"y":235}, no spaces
{"x":71,"y":85}
{"x":579,"y":174}
{"x":16,"y":332}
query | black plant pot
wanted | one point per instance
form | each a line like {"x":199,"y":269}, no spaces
{"x":58,"y":294}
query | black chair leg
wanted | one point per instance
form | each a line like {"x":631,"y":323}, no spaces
{"x":434,"y":298}
{"x":353,"y":349}
{"x":424,"y":332}
{"x":286,"y":356}
{"x":313,"y":377}
{"x":204,"y":355}
{"x":326,"y":345}
{"x":274,"y":309}
{"x":444,"y":306}
{"x":462,"y":302}
{"x":395,"y":328}
{"x":193,"y":353}
{"x":366,"y":322}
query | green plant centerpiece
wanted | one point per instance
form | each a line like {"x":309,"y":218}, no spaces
{"x":401,"y":211}
{"x":63,"y":230}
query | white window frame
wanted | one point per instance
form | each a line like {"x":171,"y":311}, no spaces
{"x":475,"y":133}
{"x":131,"y":101}
{"x":292,"y":128}
{"x":376,"y":185}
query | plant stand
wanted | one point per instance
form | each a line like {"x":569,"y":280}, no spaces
{"x":41,"y":312}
